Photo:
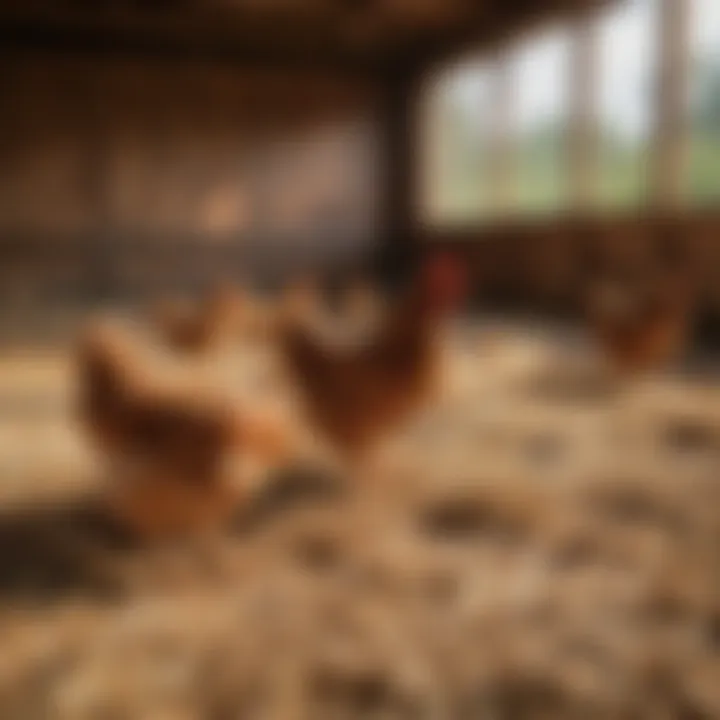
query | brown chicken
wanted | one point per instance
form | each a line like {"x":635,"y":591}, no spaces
{"x":356,"y":395}
{"x":171,"y":446}
{"x":196,"y":329}
{"x":362,"y":303}
{"x":644,"y":328}
{"x":302,"y":298}
{"x":262,"y":317}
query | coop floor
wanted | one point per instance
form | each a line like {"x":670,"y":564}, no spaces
{"x":538,"y":545}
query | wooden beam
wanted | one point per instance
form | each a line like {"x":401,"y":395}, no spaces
{"x":329,"y":35}
{"x":671,"y":108}
{"x":185,"y":35}
{"x":400,"y":170}
{"x":503,"y":137}
{"x":583,"y":121}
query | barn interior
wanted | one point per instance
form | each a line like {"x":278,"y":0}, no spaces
{"x":537,"y":538}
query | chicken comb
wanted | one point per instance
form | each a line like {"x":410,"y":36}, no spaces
{"x":445,"y":277}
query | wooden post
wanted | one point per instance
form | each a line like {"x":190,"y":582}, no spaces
{"x":503,"y":146}
{"x":670,"y":141}
{"x":398,"y":173}
{"x":431,"y":108}
{"x":583,"y":131}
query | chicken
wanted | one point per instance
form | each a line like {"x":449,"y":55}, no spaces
{"x":195,"y":330}
{"x":172,"y":446}
{"x":362,"y":303}
{"x":302,"y":299}
{"x":356,"y":395}
{"x":642,"y":329}
{"x":263,"y":316}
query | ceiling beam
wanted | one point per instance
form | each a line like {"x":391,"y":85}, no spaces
{"x":185,"y":36}
{"x":348,"y":35}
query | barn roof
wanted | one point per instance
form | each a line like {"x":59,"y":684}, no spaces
{"x":365,"y":33}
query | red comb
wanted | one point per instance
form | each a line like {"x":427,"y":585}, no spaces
{"x":445,"y":277}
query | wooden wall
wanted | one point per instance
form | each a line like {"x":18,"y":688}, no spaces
{"x":124,"y":175}
{"x":546,"y":265}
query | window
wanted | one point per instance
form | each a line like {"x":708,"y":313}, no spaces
{"x":703,"y":175}
{"x":514,"y":134}
{"x":627,"y":62}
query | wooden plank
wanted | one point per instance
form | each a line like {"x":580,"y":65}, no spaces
{"x":124,"y":154}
